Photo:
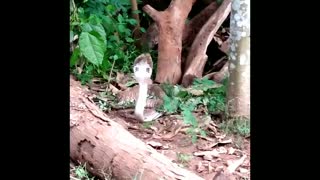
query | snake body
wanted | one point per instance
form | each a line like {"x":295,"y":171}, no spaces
{"x":154,"y":91}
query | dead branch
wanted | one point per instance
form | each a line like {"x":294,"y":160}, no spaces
{"x":197,"y":57}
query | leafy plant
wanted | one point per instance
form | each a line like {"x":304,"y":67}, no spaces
{"x":82,"y":173}
{"x":147,"y":125}
{"x":105,"y":41}
{"x":240,"y":126}
{"x":203,"y":93}
{"x":184,"y":158}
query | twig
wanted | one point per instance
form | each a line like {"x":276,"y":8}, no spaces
{"x":111,"y":70}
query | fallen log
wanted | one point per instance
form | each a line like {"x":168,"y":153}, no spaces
{"x":107,"y":148}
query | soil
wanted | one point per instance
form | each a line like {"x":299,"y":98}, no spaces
{"x":169,"y":136}
{"x":206,"y":157}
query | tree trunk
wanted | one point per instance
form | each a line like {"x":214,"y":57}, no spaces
{"x":135,"y":15}
{"x":170,"y":24}
{"x":196,"y":23}
{"x":238,"y":99}
{"x":197,"y":58}
{"x":107,"y":148}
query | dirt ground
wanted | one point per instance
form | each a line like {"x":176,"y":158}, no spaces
{"x":206,"y":157}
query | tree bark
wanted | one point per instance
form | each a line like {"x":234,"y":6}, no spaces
{"x":196,"y":23}
{"x":191,"y":29}
{"x":170,"y":24}
{"x":238,"y":98}
{"x":107,"y":148}
{"x":196,"y":60}
{"x":134,"y":7}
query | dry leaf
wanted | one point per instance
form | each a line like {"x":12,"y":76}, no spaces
{"x":113,"y":89}
{"x":225,"y":141}
{"x":243,"y":170}
{"x":120,"y":77}
{"x":213,"y":153}
{"x":221,"y":150}
{"x":231,"y":150}
{"x":200,"y":167}
{"x":195,"y":92}
{"x":233,"y":165}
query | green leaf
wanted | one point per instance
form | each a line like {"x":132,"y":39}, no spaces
{"x":106,"y":65}
{"x":120,"y":18}
{"x":113,"y":38}
{"x":132,"y":21}
{"x":129,"y":40}
{"x":182,"y":94}
{"x":136,"y":11}
{"x":170,"y":105}
{"x":110,"y":9}
{"x":98,"y":28}
{"x":143,"y":30}
{"x":97,"y":35}
{"x":203,"y":133}
{"x":203,"y":81}
{"x":121,"y":28}
{"x":115,"y":57}
{"x":212,"y":105}
{"x":92,"y":48}
{"x":189,"y":118}
{"x":74,"y":57}
{"x":75,"y":23}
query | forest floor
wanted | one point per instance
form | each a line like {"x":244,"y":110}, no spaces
{"x":208,"y":155}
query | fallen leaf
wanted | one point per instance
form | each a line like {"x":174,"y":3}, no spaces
{"x":113,"y":89}
{"x":221,"y":150}
{"x":233,"y":165}
{"x":243,"y":170}
{"x":213,"y":153}
{"x":225,"y":141}
{"x":206,"y":145}
{"x":231,"y":150}
{"x":120,"y":77}
{"x":200,"y":167}
{"x":195,"y":92}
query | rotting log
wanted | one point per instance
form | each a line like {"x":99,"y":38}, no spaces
{"x":170,"y":23}
{"x":196,"y":60}
{"x":107,"y":148}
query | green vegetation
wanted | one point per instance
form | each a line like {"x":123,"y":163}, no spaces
{"x":204,"y":94}
{"x":80,"y":172}
{"x":184,"y":158}
{"x":101,"y":38}
{"x":238,"y":126}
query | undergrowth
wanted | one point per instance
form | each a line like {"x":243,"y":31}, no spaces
{"x":80,"y":172}
{"x":204,"y":94}
{"x":237,"y":126}
{"x":101,"y":38}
